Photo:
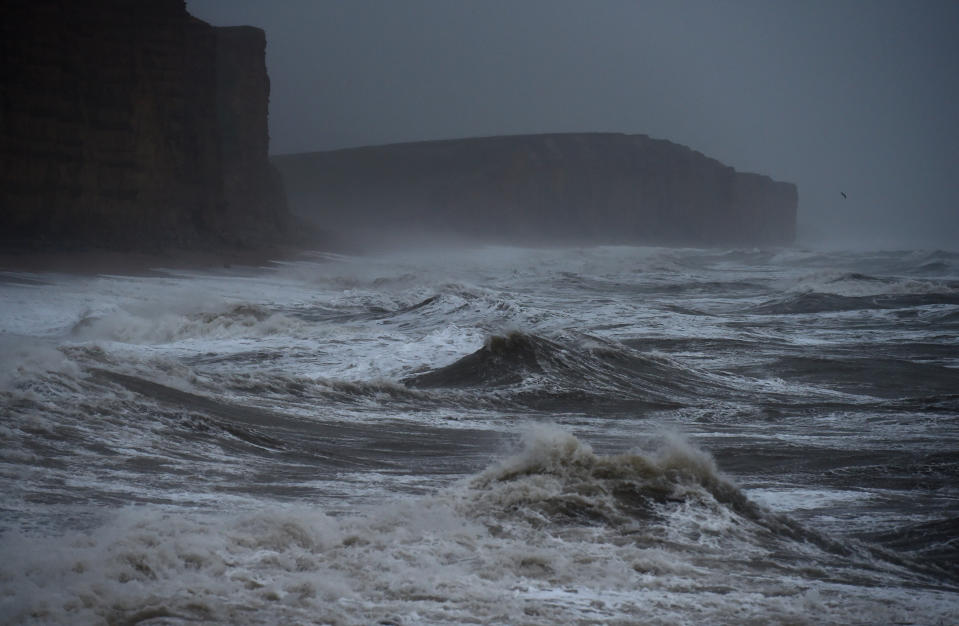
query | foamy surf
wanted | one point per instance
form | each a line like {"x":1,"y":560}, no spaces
{"x":554,"y":533}
{"x":359,"y":440}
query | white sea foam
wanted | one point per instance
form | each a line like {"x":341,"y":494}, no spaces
{"x":481,"y":550}
{"x":23,"y":359}
{"x":859,"y":285}
{"x":151,"y":325}
{"x":249,"y":518}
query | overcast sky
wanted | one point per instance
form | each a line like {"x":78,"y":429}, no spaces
{"x":856,"y":96}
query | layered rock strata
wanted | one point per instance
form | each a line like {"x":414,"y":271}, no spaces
{"x":129,"y":124}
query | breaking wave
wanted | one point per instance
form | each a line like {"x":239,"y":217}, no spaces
{"x":568,"y":532}
{"x":335,"y":442}
{"x":560,"y":479}
{"x":23,"y":359}
{"x":147,"y":326}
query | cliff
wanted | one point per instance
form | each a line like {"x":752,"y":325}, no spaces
{"x":130,"y":124}
{"x":608,"y":188}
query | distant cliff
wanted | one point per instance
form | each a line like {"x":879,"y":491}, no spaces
{"x":608,"y":188}
{"x":130,"y":124}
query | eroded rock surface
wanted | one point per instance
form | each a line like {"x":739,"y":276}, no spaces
{"x":129,"y":124}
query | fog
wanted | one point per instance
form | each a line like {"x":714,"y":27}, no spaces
{"x":849,"y":97}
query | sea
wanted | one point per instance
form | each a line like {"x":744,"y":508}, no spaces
{"x":485,"y":435}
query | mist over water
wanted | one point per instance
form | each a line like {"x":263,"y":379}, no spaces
{"x":834,"y":96}
{"x":424,"y":430}
{"x":501,"y":434}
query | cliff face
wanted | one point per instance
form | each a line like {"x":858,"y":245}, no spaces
{"x":129,"y":123}
{"x":573,"y":187}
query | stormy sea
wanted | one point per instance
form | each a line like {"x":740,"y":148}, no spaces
{"x":608,"y":435}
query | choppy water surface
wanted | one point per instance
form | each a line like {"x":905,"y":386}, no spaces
{"x":500,"y":435}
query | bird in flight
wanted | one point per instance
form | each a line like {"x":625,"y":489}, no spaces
{"x":843,"y":194}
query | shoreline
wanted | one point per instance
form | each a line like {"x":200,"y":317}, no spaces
{"x":103,"y":261}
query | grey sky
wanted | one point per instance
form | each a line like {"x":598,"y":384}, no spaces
{"x":855,"y":96}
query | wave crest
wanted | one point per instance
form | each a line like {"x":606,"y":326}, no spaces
{"x":561,"y":479}
{"x":151,"y":326}
{"x":569,"y":372}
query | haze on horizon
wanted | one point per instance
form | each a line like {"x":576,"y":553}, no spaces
{"x":843,"y":96}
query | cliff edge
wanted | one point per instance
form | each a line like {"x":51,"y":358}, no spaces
{"x":575,"y":188}
{"x":129,"y":124}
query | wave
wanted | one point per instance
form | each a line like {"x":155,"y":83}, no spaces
{"x":418,"y":307}
{"x":558,"y":479}
{"x":754,"y":256}
{"x":853,"y":283}
{"x":24,"y":359}
{"x":936,"y":262}
{"x":944,"y":318}
{"x":879,"y":377}
{"x":561,"y":480}
{"x":503,"y":360}
{"x":553,"y":534}
{"x":912,"y":262}
{"x":571,"y":370}
{"x":157,"y":326}
{"x":817,"y":302}
{"x":932,"y":541}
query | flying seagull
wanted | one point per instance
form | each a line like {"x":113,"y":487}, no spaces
{"x":843,"y":194}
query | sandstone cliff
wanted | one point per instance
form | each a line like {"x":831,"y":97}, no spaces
{"x":608,"y":188}
{"x":130,"y":124}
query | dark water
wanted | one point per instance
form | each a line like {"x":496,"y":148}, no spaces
{"x":501,"y":435}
